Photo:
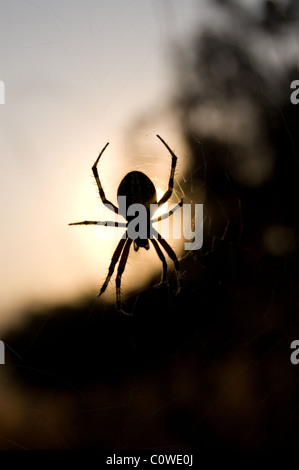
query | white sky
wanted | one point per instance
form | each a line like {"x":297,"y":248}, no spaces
{"x":78,"y":74}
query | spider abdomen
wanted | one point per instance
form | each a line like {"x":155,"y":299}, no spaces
{"x":138,"y":189}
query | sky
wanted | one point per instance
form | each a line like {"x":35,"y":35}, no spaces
{"x":78,"y":74}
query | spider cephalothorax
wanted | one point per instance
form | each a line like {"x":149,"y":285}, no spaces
{"x":136,"y":189}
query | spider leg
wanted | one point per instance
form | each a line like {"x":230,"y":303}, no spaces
{"x":107,"y":223}
{"x":164,"y":216}
{"x":162,"y":258}
{"x":168,"y":193}
{"x":171,"y":255}
{"x":101,"y":191}
{"x":114,"y":260}
{"x":120,"y":270}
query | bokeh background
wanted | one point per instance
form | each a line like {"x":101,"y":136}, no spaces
{"x":210,"y":367}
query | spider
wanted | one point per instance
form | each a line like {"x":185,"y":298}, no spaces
{"x":137,"y":189}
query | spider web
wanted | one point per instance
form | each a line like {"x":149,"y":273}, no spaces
{"x":210,"y":367}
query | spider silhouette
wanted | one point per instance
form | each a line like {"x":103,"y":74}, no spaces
{"x":137,"y":189}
